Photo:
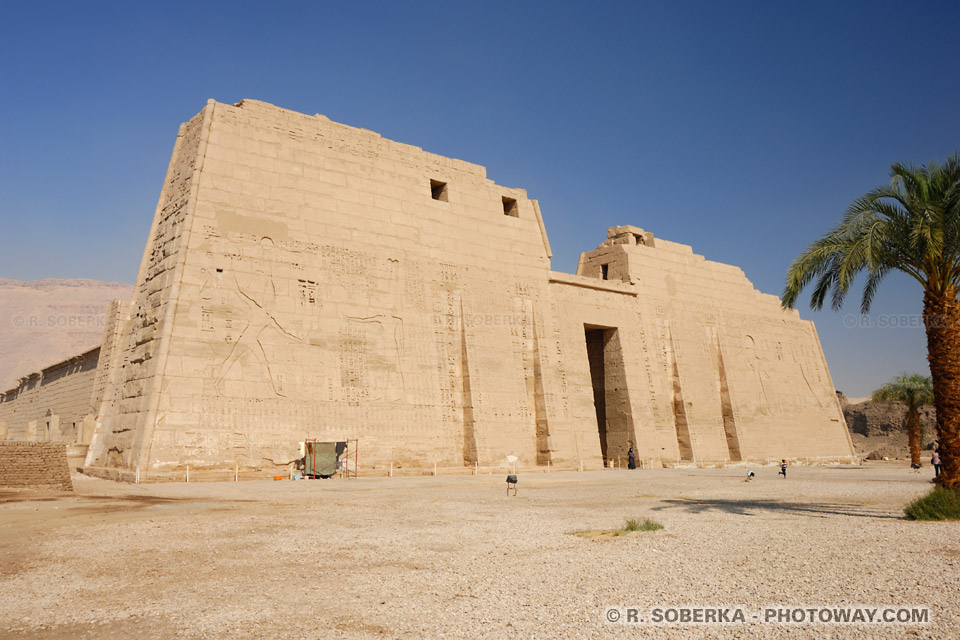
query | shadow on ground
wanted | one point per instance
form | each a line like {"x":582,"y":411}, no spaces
{"x":751,"y":507}
{"x":147,"y":500}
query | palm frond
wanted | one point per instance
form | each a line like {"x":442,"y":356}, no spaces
{"x":911,"y":225}
{"x":912,"y":389}
{"x":870,"y":288}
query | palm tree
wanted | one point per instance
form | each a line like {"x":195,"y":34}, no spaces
{"x":915,"y":391}
{"x":913,"y":226}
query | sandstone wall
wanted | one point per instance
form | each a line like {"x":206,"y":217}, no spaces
{"x":580,"y":304}
{"x":41,"y":465}
{"x":117,"y":322}
{"x":128,"y":411}
{"x":306,"y":279}
{"x":729,"y":374}
{"x":52,"y":405}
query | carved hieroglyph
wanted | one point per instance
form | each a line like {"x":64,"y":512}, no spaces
{"x":306,"y":279}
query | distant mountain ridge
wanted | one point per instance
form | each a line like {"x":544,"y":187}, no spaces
{"x":43,"y":322}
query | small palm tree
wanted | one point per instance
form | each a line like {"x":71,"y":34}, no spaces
{"x":913,"y":226}
{"x":915,"y":391}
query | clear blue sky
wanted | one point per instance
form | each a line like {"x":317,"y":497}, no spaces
{"x":743,"y":129}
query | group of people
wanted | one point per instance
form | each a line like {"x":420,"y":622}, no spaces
{"x":783,"y":471}
{"x":934,"y":460}
{"x":632,"y":464}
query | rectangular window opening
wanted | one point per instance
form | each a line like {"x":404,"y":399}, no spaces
{"x":510,"y":208}
{"x":438,"y":190}
{"x":604,"y":271}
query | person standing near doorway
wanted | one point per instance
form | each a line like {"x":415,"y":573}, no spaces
{"x":631,"y":459}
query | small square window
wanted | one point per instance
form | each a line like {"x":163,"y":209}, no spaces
{"x":438,"y":190}
{"x":510,"y":208}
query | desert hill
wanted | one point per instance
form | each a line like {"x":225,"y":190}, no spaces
{"x":45,"y":321}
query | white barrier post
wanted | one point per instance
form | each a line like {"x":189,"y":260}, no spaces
{"x":188,"y":473}
{"x":391,"y":470}
{"x":434,"y":469}
{"x":581,"y":465}
{"x":138,"y":475}
{"x":236,"y":472}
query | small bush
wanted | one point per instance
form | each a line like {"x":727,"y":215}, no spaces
{"x":629,"y":526}
{"x":642,"y":525}
{"x":939,"y":504}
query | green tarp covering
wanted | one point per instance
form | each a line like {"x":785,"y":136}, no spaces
{"x":320,"y":458}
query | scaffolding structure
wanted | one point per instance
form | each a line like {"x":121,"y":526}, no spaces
{"x":325,"y":459}
{"x":354,"y":451}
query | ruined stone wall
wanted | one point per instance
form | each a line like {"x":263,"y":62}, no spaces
{"x":39,"y":465}
{"x":52,"y":405}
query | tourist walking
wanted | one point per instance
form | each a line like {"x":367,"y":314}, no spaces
{"x":783,"y":468}
{"x":935,"y":461}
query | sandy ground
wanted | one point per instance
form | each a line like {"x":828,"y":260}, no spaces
{"x":455,"y":557}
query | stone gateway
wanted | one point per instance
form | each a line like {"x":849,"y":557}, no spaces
{"x":306,"y":279}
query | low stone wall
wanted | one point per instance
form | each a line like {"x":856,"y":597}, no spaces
{"x":40,"y":465}
{"x":53,"y":405}
{"x":76,"y":455}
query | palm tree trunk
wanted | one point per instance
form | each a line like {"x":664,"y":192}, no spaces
{"x":914,"y":435}
{"x":941,"y":316}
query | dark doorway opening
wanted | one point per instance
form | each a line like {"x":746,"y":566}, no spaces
{"x":595,"y":355}
{"x":610,"y":398}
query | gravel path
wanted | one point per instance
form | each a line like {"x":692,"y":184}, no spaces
{"x":455,"y":557}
